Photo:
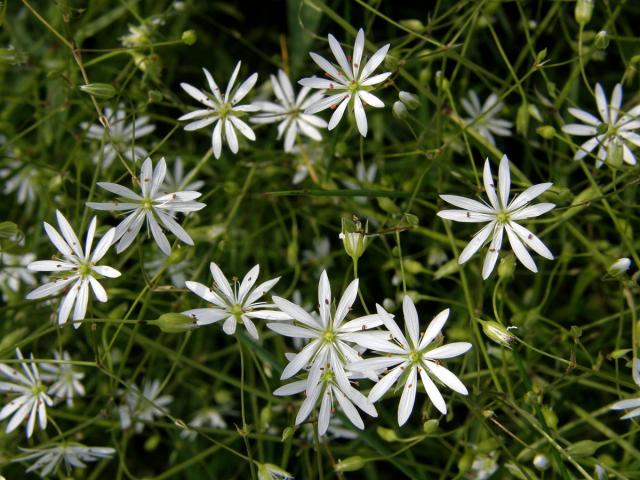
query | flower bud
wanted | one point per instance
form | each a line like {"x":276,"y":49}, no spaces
{"x":413,"y":24}
{"x":618,"y":267}
{"x":387,"y":434}
{"x":399,"y":110}
{"x":409,"y":99}
{"x":498,"y":332}
{"x":189,"y":37}
{"x":546,"y":131}
{"x":174,"y":323}
{"x":522,"y":118}
{"x":430,"y":426}
{"x":350,"y":464}
{"x":583,"y":11}
{"x":99,"y":90}
{"x":541,"y":462}
{"x":583,"y":448}
{"x":354,"y":237}
{"x":441,"y":81}
{"x":602,"y":40}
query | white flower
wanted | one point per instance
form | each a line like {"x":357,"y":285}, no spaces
{"x":19,"y":177}
{"x":483,"y":117}
{"x":77,"y":269}
{"x":234,"y":305}
{"x":223,"y":109}
{"x":349,"y":84}
{"x":631,"y":403}
{"x":66,"y":383}
{"x":141,"y":408}
{"x":121,"y":136}
{"x":327,"y":334}
{"x":152,"y":206}
{"x":290,"y":112}
{"x":47,"y":459}
{"x":410,"y":357}
{"x":14,"y":272}
{"x":32,"y":399}
{"x":176,"y":181}
{"x":206,"y":418}
{"x":327,"y":382}
{"x":614,"y":135}
{"x":483,"y":467}
{"x":500,"y":215}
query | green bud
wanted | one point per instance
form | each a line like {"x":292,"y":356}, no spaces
{"x":412,"y":266}
{"x":602,"y":40}
{"x":399,"y":110}
{"x":550,"y":417}
{"x":534,"y":112}
{"x":265,"y":417}
{"x":498,"y":332}
{"x":583,"y":11}
{"x":413,"y":24}
{"x":616,"y":354}
{"x":441,"y":81}
{"x":287,"y":433}
{"x":10,"y":339}
{"x":430,"y":426}
{"x":152,"y":443}
{"x":189,"y":37}
{"x":174,"y":323}
{"x":387,"y":434}
{"x":522,"y":118}
{"x":99,"y":90}
{"x":388,"y":205}
{"x":449,"y":268}
{"x":409,"y":99}
{"x":223,"y":397}
{"x":465,"y":462}
{"x":546,"y":131}
{"x":583,"y":448}
{"x":391,"y":62}
{"x":575,"y":332}
{"x":350,"y":464}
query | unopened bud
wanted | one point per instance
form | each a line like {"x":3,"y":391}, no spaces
{"x":546,"y":131}
{"x":583,"y":11}
{"x":541,"y":462}
{"x":175,"y":323}
{"x":387,"y":434}
{"x":99,"y":90}
{"x":498,"y":332}
{"x":350,"y":464}
{"x":618,"y":267}
{"x":522,"y":118}
{"x":602,"y":40}
{"x":409,"y":99}
{"x":354,"y":237}
{"x":189,"y":37}
{"x":430,"y":426}
{"x":399,"y":110}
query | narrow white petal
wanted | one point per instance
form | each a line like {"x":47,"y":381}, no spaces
{"x":174,"y":227}
{"x":158,"y":234}
{"x":616,"y":102}
{"x":67,"y":304}
{"x":408,"y":397}
{"x":230,"y":135}
{"x":504,"y":181}
{"x":324,"y":415}
{"x":328,"y":67}
{"x":586,"y":117}
{"x":361,"y":117}
{"x":528,"y":195}
{"x":229,"y":325}
{"x":531,"y":240}
{"x":381,"y":77}
{"x":434,"y":328}
{"x":300,"y":361}
{"x":308,"y":404}
{"x":291,"y":388}
{"x":348,"y":297}
{"x":448,"y":351}
{"x":468,"y":204}
{"x":492,"y":253}
{"x":432,"y":391}
{"x":385,"y":383}
{"x":293,"y":331}
{"x":98,"y":289}
{"x":80,"y":309}
{"x":198,"y":95}
{"x":69,"y":235}
{"x":324,"y":298}
{"x":206,"y":316}
{"x":447,"y":377}
{"x":91,"y":231}
{"x":340,"y":56}
{"x":212,"y":85}
{"x":216,"y":139}
{"x":349,"y":410}
{"x":411,"y":320}
{"x":358,"y":49}
{"x":295,"y":312}
{"x":370,"y":99}
{"x":232,"y":81}
{"x":106,"y":271}
{"x":243,"y":128}
{"x":476,"y":242}
{"x":50,"y":288}
{"x":50,"y":266}
{"x":601,"y":100}
{"x":520,"y":250}
{"x":337,"y":114}
{"x":579,"y":130}
{"x":466,"y":216}
{"x":103,"y":245}
{"x":244,"y":88}
{"x":374,"y":62}
{"x":221,"y":281}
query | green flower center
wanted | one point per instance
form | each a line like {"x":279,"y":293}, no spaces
{"x":329,"y":336}
{"x":84,"y":269}
{"x":38,"y":389}
{"x":224,"y":109}
{"x":147,"y":204}
{"x":503,"y":217}
{"x":415,"y":356}
{"x":237,"y":311}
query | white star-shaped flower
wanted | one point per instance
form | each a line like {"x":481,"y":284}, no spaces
{"x":14,"y":272}
{"x":154,"y":206}
{"x":409,"y":357}
{"x":234,"y":305}
{"x":66,"y":382}
{"x":223,"y":109}
{"x":482,"y":117}
{"x":500,"y":214}
{"x":121,"y":136}
{"x":349,"y":83}
{"x":32,"y":399}
{"x":72,"y":455}
{"x":142,"y":407}
{"x":326,"y":332}
{"x":77,"y":269}
{"x":613,"y":135}
{"x":290,"y":112}
{"x":176,"y":180}
{"x":327,"y":381}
